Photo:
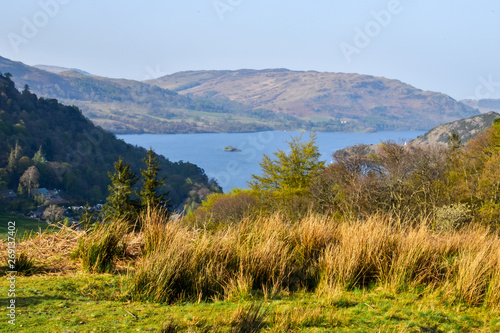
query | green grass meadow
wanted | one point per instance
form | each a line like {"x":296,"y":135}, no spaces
{"x":93,"y":303}
{"x":24,"y":225}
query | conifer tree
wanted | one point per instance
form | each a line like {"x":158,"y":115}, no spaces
{"x":151,"y":184}
{"x":119,"y":203}
{"x":39,"y":157}
{"x":14,"y":156}
{"x":454,"y":142}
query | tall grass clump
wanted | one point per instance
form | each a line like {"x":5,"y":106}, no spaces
{"x":196,"y":264}
{"x":250,"y":319}
{"x":155,"y":228}
{"x":310,"y":239}
{"x":420,"y":257}
{"x":361,"y":254}
{"x":474,"y":278}
{"x":101,"y":246}
{"x":269,"y":254}
{"x":492,"y":298}
{"x":183,"y":264}
{"x":265,"y":254}
{"x":24,"y":264}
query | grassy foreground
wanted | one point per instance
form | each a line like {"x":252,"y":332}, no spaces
{"x":264,"y":274}
{"x":90,"y":303}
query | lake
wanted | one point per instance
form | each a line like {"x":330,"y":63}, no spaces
{"x":234,"y":169}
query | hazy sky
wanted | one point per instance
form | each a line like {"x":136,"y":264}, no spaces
{"x":451,"y":46}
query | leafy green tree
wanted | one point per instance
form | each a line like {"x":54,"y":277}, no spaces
{"x":286,"y":177}
{"x":289,"y":172}
{"x":151,"y":184}
{"x":39,"y":157}
{"x":119,"y":203}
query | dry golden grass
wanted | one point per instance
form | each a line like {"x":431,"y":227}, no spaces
{"x":169,"y":261}
{"x":50,"y":251}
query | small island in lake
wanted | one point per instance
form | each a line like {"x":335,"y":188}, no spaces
{"x":231,"y":148}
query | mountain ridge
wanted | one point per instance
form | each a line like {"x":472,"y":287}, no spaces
{"x":306,"y":92}
{"x":245,"y":100}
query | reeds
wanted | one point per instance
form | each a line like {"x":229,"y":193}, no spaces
{"x":267,"y":255}
{"x":99,"y":248}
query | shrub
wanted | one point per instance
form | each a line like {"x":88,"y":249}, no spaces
{"x":452,"y":217}
{"x":223,"y":209}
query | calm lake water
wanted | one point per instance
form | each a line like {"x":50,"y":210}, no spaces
{"x":234,"y":169}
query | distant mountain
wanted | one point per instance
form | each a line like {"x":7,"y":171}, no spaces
{"x":364,"y":102}
{"x":484,"y":105}
{"x":127,"y":106}
{"x":58,"y":70}
{"x":77,"y":155}
{"x":466,"y":129}
{"x":244,"y":100}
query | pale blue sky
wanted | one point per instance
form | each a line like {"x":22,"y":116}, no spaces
{"x":451,"y":46}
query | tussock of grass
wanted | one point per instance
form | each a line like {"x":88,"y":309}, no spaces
{"x":362,"y":253}
{"x":269,"y":255}
{"x":99,"y":248}
{"x":250,"y":319}
{"x":24,"y":264}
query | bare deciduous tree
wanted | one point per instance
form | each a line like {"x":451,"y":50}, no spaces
{"x":53,"y":213}
{"x":29,"y":179}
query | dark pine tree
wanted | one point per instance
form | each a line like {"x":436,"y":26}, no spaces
{"x":151,"y":184}
{"x":119,"y":204}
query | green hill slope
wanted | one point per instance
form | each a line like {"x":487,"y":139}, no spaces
{"x":78,"y":154}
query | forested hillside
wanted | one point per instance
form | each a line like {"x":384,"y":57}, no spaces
{"x":70,"y":153}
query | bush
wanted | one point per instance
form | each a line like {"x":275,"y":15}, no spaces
{"x":452,"y":217}
{"x":223,"y":209}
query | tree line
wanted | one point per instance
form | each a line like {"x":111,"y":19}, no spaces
{"x":449,"y":185}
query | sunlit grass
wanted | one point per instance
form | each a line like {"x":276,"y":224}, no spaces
{"x":315,"y":275}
